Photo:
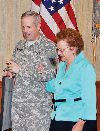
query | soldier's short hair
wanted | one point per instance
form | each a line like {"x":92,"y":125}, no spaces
{"x":36,"y":16}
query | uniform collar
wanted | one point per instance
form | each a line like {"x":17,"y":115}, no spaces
{"x":29,"y":43}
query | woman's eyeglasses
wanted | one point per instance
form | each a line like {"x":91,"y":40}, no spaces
{"x":62,"y":50}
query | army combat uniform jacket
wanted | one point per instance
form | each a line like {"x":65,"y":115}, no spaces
{"x":31,"y":104}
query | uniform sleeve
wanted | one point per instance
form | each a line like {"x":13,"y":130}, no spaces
{"x":15,"y":50}
{"x":18,"y":47}
{"x":14,"y":53}
{"x":50,"y":62}
{"x":88,"y":80}
{"x":52,"y":54}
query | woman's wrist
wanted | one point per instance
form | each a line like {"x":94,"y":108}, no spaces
{"x":84,"y":120}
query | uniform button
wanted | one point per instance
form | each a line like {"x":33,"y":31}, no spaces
{"x":60,"y":83}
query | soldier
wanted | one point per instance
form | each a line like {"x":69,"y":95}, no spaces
{"x":33,"y":64}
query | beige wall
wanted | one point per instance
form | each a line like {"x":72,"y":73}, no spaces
{"x":10,"y":31}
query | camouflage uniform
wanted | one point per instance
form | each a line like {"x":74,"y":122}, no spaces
{"x":31,"y":104}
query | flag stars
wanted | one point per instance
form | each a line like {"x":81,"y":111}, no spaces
{"x":53,"y":1}
{"x":51,"y":8}
{"x":61,"y":1}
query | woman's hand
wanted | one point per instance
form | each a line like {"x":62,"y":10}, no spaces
{"x":78,"y":126}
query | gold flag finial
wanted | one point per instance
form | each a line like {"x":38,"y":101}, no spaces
{"x":94,"y":50}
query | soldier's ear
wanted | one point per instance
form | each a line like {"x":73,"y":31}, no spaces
{"x":38,"y":26}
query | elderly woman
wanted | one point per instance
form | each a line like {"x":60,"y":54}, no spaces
{"x":74,"y":86}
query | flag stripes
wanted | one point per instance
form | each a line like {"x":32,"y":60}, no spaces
{"x":56,"y":15}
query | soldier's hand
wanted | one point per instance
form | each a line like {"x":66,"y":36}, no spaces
{"x":7,"y":73}
{"x":13,"y":67}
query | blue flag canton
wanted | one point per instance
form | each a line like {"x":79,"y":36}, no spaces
{"x":54,"y":5}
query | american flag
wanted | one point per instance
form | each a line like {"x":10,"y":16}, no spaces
{"x":56,"y":15}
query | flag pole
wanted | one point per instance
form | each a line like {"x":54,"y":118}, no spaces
{"x":94,"y":50}
{"x":95,"y":44}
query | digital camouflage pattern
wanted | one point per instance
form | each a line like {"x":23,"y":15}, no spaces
{"x":31,"y":104}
